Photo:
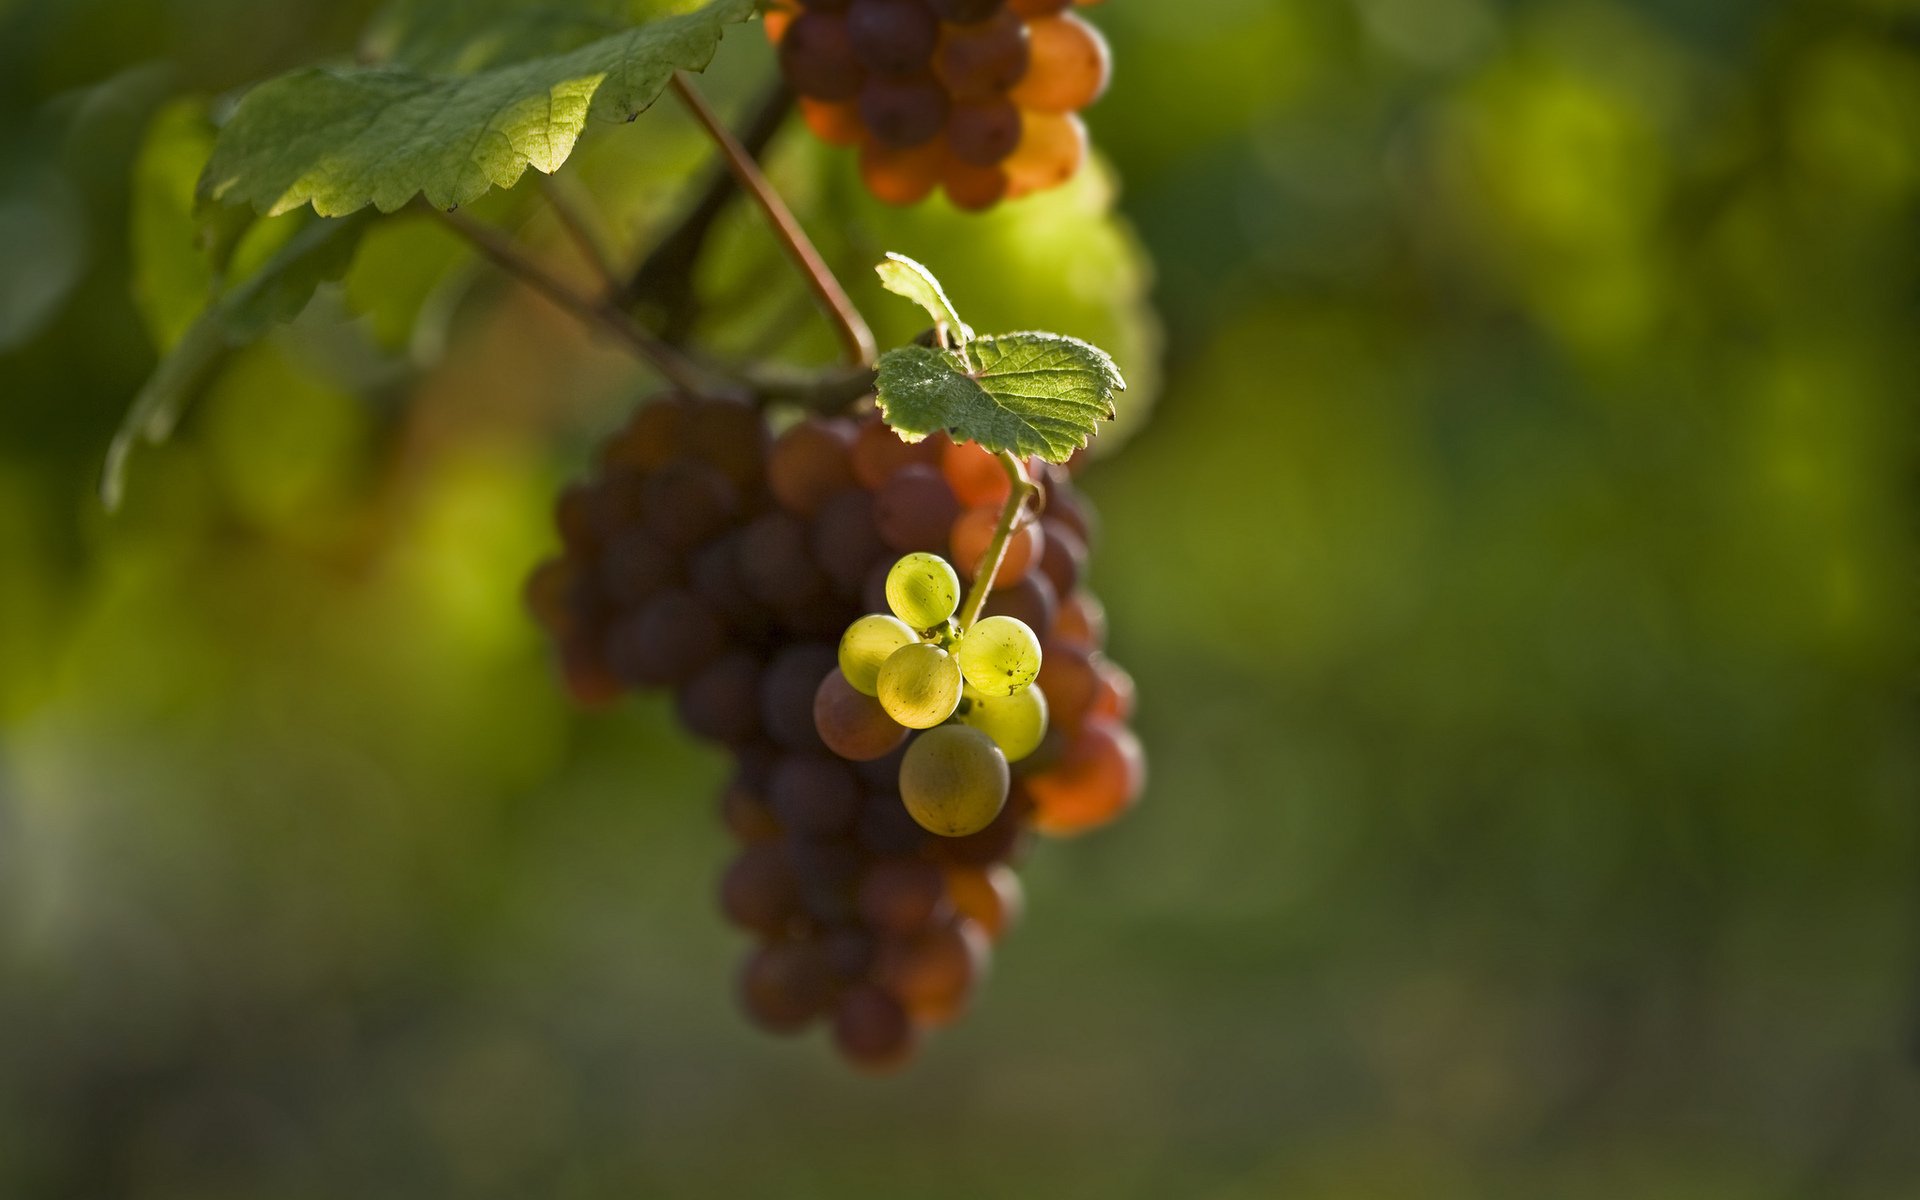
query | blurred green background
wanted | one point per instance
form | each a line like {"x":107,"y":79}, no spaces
{"x":1517,"y":567}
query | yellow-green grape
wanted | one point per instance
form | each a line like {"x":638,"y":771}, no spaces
{"x":1000,"y":655}
{"x":920,"y":685}
{"x":954,"y":780}
{"x":1016,"y":723}
{"x":922,"y":590}
{"x":867,"y":644}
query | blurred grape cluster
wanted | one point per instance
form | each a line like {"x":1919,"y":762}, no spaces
{"x":1517,"y":567}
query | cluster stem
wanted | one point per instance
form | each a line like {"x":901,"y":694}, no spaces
{"x":989,"y":564}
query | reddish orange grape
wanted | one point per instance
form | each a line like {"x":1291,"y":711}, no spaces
{"x":1071,"y":66}
{"x":1052,"y":147}
{"x":1068,"y":678}
{"x":973,"y":533}
{"x":973,"y":188}
{"x":1099,"y":777}
{"x":878,"y":452}
{"x":935,"y":971}
{"x":1113,"y":692}
{"x":975,"y":476}
{"x":836,"y":123}
{"x":902,"y":176}
{"x":990,"y":896}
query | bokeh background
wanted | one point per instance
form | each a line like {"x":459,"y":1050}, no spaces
{"x":1517,"y":566}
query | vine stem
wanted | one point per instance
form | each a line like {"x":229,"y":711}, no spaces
{"x":855,"y":337}
{"x":1002,"y":534}
{"x":583,"y":227}
{"x":603,"y":312}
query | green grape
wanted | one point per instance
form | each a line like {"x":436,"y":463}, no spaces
{"x":1000,"y":655}
{"x":1016,"y":723}
{"x":920,"y":685}
{"x":866,"y":646}
{"x":923,"y":590}
{"x":954,"y":780}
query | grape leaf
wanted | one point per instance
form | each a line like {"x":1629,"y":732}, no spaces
{"x":344,"y":138}
{"x":904,"y":277}
{"x":459,"y":37}
{"x":1028,"y":393}
{"x":319,"y":251}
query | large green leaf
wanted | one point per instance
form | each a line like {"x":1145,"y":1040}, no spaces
{"x":1029,"y":393}
{"x":459,"y":37}
{"x":344,"y":138}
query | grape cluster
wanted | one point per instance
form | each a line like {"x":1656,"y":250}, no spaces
{"x":975,"y":97}
{"x":708,"y":556}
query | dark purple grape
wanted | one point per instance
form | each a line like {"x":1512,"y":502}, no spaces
{"x":811,"y":461}
{"x":817,"y":57}
{"x":787,"y":688}
{"x":983,"y":134}
{"x":722,"y":702}
{"x":885,"y":826}
{"x":1063,"y":557}
{"x":775,"y":566}
{"x":653,"y":436}
{"x":731,"y":436}
{"x":664,"y":643}
{"x":903,"y":112}
{"x":846,"y":541}
{"x":964,"y":12}
{"x":849,"y":951}
{"x":1031,"y":599}
{"x":635,"y":567}
{"x":688,"y":502}
{"x":784,"y":986}
{"x":714,"y":576}
{"x":903,"y":895}
{"x":894,"y":37}
{"x":915,"y":510}
{"x":828,"y":871}
{"x":984,"y":60}
{"x":872,"y":1030}
{"x":758,"y":892}
{"x":744,"y":813}
{"x":814,"y":794}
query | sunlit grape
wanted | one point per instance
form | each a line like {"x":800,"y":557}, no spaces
{"x":1000,"y":655}
{"x":954,"y":780}
{"x":920,"y":685}
{"x":866,"y":646}
{"x":1016,"y":723}
{"x":923,"y":590}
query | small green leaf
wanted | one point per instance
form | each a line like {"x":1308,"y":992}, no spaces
{"x":1028,"y":393}
{"x":344,"y":138}
{"x":904,"y":277}
{"x":319,"y":251}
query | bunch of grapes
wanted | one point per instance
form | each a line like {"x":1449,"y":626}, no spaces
{"x":976,"y":97}
{"x":970,"y":688}
{"x":708,"y":556}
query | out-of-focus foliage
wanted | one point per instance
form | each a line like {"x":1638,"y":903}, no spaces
{"x":1518,"y":571}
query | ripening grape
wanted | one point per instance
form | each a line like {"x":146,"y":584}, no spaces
{"x":785,"y":985}
{"x":990,"y":897}
{"x":1016,"y":723}
{"x":1071,"y":65}
{"x":971,"y":188}
{"x":920,"y":685}
{"x":976,"y":477}
{"x":902,"y":895}
{"x":983,"y":133}
{"x":902,"y":176}
{"x":923,"y":590}
{"x":1099,"y":777}
{"x":973,"y":533}
{"x":810,"y":462}
{"x":879,"y":454}
{"x":934,"y":970}
{"x":1052,"y":147}
{"x":758,"y":891}
{"x":915,"y":509}
{"x":853,"y":725}
{"x":867,"y":645}
{"x":999,"y":655}
{"x":894,"y":37}
{"x":837,"y":123}
{"x":816,"y":53}
{"x":872,"y":1030}
{"x":981,"y":61}
{"x":1082,"y":621}
{"x":964,"y":12}
{"x":954,"y":780}
{"x":903,"y":111}
{"x":1031,"y":600}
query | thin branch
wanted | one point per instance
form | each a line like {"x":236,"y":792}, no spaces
{"x":583,"y":226}
{"x":989,"y":565}
{"x":498,"y":247}
{"x":663,"y":285}
{"x":855,"y":337}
